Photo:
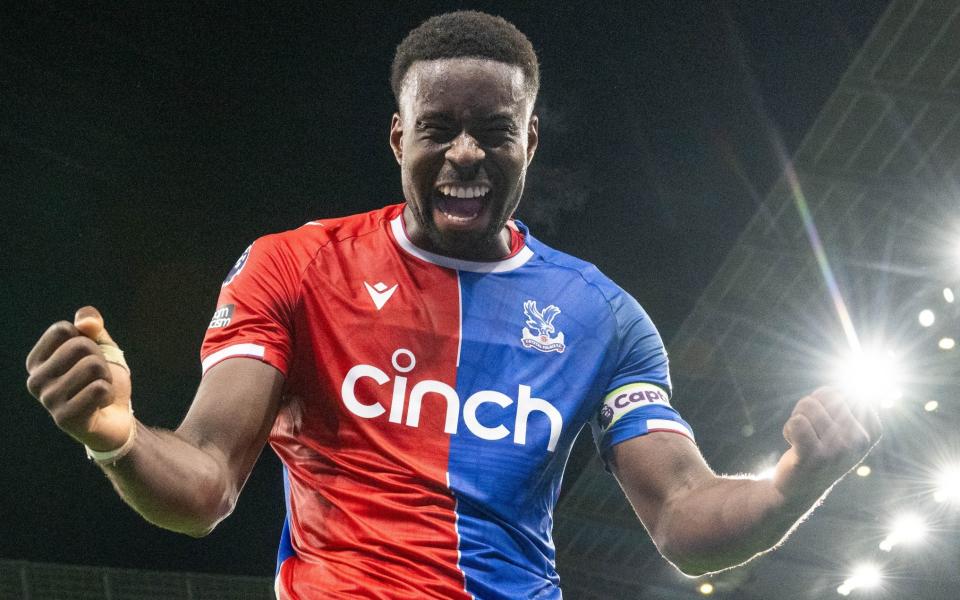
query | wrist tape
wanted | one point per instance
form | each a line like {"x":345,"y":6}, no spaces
{"x":114,"y":354}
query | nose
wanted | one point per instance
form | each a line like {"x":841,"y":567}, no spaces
{"x":465,"y":154}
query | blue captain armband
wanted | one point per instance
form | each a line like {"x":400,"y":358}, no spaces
{"x":633,"y":410}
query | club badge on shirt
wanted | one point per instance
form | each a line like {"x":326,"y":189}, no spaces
{"x":540,"y":333}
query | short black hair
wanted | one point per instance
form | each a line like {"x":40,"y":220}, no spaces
{"x":466,"y":34}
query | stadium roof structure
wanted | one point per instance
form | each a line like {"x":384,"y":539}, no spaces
{"x":879,"y":172}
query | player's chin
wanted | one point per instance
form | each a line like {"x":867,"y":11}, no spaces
{"x":465,"y":240}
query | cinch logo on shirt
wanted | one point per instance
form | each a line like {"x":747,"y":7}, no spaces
{"x":404,"y":361}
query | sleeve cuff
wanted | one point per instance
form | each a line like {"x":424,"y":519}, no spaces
{"x":245,"y":350}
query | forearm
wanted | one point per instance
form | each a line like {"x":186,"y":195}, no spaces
{"x":187,"y":480}
{"x":172,"y":483}
{"x":725,"y":522}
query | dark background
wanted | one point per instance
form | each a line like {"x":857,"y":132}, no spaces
{"x":142,"y":149}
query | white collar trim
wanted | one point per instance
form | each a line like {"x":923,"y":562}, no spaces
{"x":494,"y":266}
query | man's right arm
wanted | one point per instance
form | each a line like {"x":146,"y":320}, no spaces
{"x":186,"y":480}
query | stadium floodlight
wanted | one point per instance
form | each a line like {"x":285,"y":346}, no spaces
{"x":706,"y":588}
{"x":948,"y":295}
{"x":931,"y":406}
{"x":948,"y":485}
{"x":906,"y":529}
{"x":864,"y":576}
{"x":864,"y":470}
{"x":947,"y":343}
{"x":870,"y":376}
{"x":926,"y":317}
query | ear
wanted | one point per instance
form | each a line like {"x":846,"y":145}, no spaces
{"x":533,"y":137}
{"x":396,"y":137}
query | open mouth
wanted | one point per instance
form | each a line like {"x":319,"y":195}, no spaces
{"x":461,"y":203}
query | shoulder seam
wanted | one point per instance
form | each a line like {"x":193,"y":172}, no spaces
{"x":589,"y":283}
{"x":380,"y":220}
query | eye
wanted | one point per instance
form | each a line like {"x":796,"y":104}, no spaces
{"x":497,"y":135}
{"x":435,"y":131}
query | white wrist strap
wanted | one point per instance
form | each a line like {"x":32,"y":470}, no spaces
{"x":112,"y":456}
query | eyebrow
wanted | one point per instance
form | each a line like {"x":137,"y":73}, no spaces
{"x":443,"y":116}
{"x":500,"y":117}
{"x":433,"y":114}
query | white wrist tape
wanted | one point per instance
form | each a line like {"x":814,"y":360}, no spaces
{"x":113,"y":354}
{"x":112,"y":456}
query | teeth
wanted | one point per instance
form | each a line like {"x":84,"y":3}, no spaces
{"x":455,"y":191}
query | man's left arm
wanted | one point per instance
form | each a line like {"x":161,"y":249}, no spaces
{"x":702,"y":522}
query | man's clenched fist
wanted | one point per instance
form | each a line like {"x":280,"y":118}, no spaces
{"x":87,"y":396}
{"x":828,"y":435}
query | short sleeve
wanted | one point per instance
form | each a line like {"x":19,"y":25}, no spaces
{"x":636,"y":401}
{"x":254,"y":310}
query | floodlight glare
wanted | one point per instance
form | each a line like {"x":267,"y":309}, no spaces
{"x":947,"y":343}
{"x":891,"y":398}
{"x":871,"y":377}
{"x":906,"y":529}
{"x":867,"y":575}
{"x":864,"y":470}
{"x":864,"y":576}
{"x":766,"y":473}
{"x":931,"y":406}
{"x":948,"y":486}
{"x":926,"y":317}
{"x":948,"y":295}
{"x":706,"y":588}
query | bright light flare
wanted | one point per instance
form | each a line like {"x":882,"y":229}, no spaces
{"x":871,"y":376}
{"x":906,"y":529}
{"x":865,"y":576}
{"x":706,"y":588}
{"x":864,"y":470}
{"x":948,"y":486}
{"x":947,"y":343}
{"x":931,"y":406}
{"x":926,"y":317}
{"x":948,"y":295}
{"x":766,"y":473}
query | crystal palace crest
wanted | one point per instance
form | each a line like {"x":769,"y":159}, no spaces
{"x":540,"y":333}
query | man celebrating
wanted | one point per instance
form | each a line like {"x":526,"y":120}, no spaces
{"x":423,"y":370}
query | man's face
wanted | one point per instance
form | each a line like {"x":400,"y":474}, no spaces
{"x":463,"y":138}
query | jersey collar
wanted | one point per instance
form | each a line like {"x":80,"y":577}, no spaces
{"x":493,"y":266}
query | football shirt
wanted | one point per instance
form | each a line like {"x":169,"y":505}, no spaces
{"x":430,"y":403}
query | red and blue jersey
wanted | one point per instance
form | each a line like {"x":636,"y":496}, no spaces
{"x":430,"y":403}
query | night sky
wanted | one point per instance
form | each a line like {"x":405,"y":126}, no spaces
{"x":142,"y":149}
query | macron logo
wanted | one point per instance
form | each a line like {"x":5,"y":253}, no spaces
{"x":380,"y":293}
